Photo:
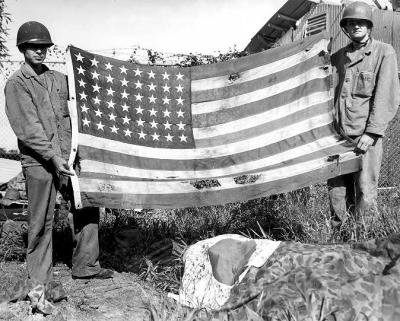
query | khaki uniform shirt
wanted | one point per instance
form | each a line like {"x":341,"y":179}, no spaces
{"x":36,"y":106}
{"x":367,"y":92}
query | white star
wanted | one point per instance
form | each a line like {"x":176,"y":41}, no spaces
{"x":123,"y":70}
{"x":81,"y":70}
{"x":142,"y":135}
{"x":84,"y":108}
{"x":124,"y":94}
{"x":81,"y":83}
{"x":153,"y":124}
{"x":95,"y":75}
{"x":112,"y":117}
{"x":96,"y":100}
{"x":108,"y":66}
{"x":152,"y":99}
{"x":127,"y":132}
{"x":169,"y":137}
{"x":94,"y":62}
{"x":139,"y":110}
{"x":183,"y":138}
{"x":126,"y":119}
{"x":167,"y":125}
{"x":138,"y":84}
{"x":165,"y":75}
{"x":110,"y":104}
{"x":155,"y":136}
{"x":86,"y":122}
{"x":100,"y":126}
{"x":151,"y":74}
{"x":137,"y":72}
{"x":166,"y":88}
{"x":79,"y":57}
{"x":181,"y":126}
{"x":180,"y":113}
{"x":98,"y":112}
{"x":124,"y":82}
{"x":138,"y":97}
{"x":166,"y":112}
{"x":152,"y":112}
{"x":151,"y":87}
{"x":166,"y":100}
{"x":110,"y":92}
{"x":179,"y":76}
{"x":179,"y":88}
{"x":180,"y":100}
{"x":96,"y":87}
{"x":109,"y":78}
{"x":114,"y":129}
{"x":140,"y":122}
{"x":83,"y":95}
{"x":125,"y":107}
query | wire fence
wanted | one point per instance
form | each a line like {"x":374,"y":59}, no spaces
{"x":390,"y":172}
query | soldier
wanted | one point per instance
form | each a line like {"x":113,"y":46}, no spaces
{"x":367,"y":96}
{"x":36,"y":106}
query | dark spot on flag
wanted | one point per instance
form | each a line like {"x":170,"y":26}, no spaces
{"x":233,"y":77}
{"x":206,"y":183}
{"x":246,"y":179}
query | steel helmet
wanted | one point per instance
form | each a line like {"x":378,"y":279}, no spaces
{"x":33,"y":32}
{"x":357,"y":10}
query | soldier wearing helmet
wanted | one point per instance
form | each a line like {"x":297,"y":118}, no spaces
{"x":37,"y":109}
{"x":367,"y":96}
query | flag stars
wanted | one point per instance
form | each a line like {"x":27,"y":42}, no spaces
{"x":181,"y":126}
{"x":166,"y":88}
{"x":152,"y":112}
{"x":110,"y":92}
{"x":112,"y":117}
{"x":180,"y":113}
{"x":109,"y":78}
{"x":152,"y":99}
{"x":179,"y":76}
{"x":139,"y":110}
{"x":165,"y":76}
{"x":114,"y":129}
{"x":138,"y":72}
{"x":151,"y":74}
{"x":167,"y":125}
{"x":126,"y":119}
{"x":94,"y":61}
{"x":140,"y":122}
{"x":100,"y":126}
{"x":183,"y":138}
{"x":152,"y":87}
{"x":142,"y":135}
{"x":166,"y":100}
{"x":138,"y":97}
{"x":83,"y":95}
{"x":166,"y":112}
{"x":123,"y":70}
{"x":127,"y":132}
{"x":96,"y":100}
{"x":108,"y":66}
{"x":98,"y":112}
{"x":79,"y":57}
{"x":82,"y":83}
{"x":110,"y":104}
{"x":86,"y":122}
{"x":138,"y":84}
{"x":179,"y":88}
{"x":95,"y":75}
{"x":124,"y":82}
{"x":125,"y":107}
{"x":169,"y":137}
{"x":124,"y":94}
{"x":96,"y":87}
{"x":84,"y":108}
{"x":180,"y":100}
{"x":81,"y":70}
{"x":153,"y":124}
{"x":155,"y":136}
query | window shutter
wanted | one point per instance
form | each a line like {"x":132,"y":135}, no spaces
{"x":315,"y":24}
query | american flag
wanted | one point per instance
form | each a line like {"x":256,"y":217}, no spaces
{"x":168,"y":137}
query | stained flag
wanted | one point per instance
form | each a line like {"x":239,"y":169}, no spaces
{"x":148,"y":136}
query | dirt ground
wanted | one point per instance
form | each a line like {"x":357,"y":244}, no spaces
{"x":123,"y":297}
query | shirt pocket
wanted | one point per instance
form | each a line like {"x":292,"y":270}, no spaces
{"x":364,"y":84}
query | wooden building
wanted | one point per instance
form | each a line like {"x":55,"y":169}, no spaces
{"x":297,"y":19}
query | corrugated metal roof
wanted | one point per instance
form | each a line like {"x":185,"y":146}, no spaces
{"x":9,"y":169}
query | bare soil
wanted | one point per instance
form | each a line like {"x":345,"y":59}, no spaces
{"x":124,"y":297}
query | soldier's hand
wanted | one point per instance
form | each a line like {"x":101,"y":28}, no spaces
{"x":61,"y":166}
{"x":366,"y":140}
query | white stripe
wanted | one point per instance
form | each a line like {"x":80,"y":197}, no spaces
{"x":237,"y":169}
{"x":261,"y":119}
{"x":261,"y":71}
{"x":259,"y":94}
{"x":207,"y":152}
{"x":142,"y":188}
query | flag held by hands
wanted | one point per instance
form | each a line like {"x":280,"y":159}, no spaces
{"x":150,"y":136}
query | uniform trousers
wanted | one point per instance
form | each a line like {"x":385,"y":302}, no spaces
{"x":41,"y":188}
{"x":355,"y":194}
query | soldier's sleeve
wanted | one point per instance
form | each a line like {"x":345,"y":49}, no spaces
{"x":24,"y":120}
